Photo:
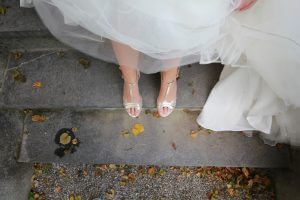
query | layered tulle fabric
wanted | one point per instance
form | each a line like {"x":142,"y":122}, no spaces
{"x":259,"y":88}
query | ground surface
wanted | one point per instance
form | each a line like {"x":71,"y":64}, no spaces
{"x":144,"y":182}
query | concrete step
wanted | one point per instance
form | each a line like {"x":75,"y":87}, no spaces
{"x":20,"y":22}
{"x":68,"y":84}
{"x":165,"y":141}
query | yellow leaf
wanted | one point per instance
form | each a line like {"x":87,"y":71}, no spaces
{"x":75,"y":141}
{"x":37,"y":84}
{"x":194,"y":133}
{"x":137,"y":129}
{"x":72,"y":197}
{"x":65,"y":139}
{"x":78,"y":197}
{"x":74,"y":129}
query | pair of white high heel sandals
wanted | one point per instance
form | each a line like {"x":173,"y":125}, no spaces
{"x":137,"y":106}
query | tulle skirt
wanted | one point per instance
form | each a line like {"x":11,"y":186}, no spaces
{"x":259,"y":88}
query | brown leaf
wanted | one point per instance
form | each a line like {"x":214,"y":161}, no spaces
{"x":61,"y":172}
{"x":174,"y":146}
{"x":231,"y":192}
{"x":57,"y":189}
{"x":39,"y":118}
{"x":245,"y":172}
{"x":17,"y":55}
{"x":110,"y":194}
{"x":151,"y":170}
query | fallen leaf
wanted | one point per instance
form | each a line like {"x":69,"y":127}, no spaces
{"x":245,"y":172}
{"x":3,"y":10}
{"x":190,"y":83}
{"x":78,"y":197}
{"x":37,"y":84}
{"x":155,"y":114}
{"x":65,"y":138}
{"x":151,"y":170}
{"x":112,"y":166}
{"x":231,"y":192}
{"x":74,"y":129}
{"x":75,"y":141}
{"x":111,"y":194}
{"x":57,"y":189}
{"x":131,"y":177}
{"x":39,"y":118}
{"x":85,"y":63}
{"x":72,"y":197}
{"x":137,"y":129}
{"x":147,"y":111}
{"x":194,"y":133}
{"x":193,"y":92}
{"x":18,"y":76}
{"x":17,"y":55}
{"x":62,"y":172}
{"x":125,"y":133}
{"x":174,"y":146}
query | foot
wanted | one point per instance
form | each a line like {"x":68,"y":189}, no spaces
{"x":166,"y":100}
{"x":131,"y":99}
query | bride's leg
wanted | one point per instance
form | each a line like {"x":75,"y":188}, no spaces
{"x":168,"y":88}
{"x":128,"y":59}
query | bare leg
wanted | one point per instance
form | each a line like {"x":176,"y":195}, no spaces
{"x":128,"y":59}
{"x":167,"y":77}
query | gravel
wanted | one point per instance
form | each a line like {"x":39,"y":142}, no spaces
{"x":60,"y":181}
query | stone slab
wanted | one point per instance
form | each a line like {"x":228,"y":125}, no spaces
{"x":15,"y":178}
{"x":20,"y":22}
{"x":66,"y":84}
{"x":165,"y":141}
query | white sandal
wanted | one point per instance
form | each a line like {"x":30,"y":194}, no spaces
{"x":132,"y":104}
{"x":167,"y":104}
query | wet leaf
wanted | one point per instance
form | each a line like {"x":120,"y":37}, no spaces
{"x":85,"y":63}
{"x":18,"y":76}
{"x":137,"y":129}
{"x":64,"y":139}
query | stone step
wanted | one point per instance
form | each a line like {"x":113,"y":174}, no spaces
{"x":68,"y":84}
{"x":20,"y":22}
{"x":165,"y":141}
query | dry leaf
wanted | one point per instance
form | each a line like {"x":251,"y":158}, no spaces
{"x":85,"y":63}
{"x":137,"y":129}
{"x":62,"y":172}
{"x":39,"y":118}
{"x":174,"y":146}
{"x":18,"y":76}
{"x":111,"y":194}
{"x":37,"y":84}
{"x":125,"y":133}
{"x":17,"y":55}
{"x":231,"y":192}
{"x":75,"y":141}
{"x":3,"y":10}
{"x":78,"y":197}
{"x":112,"y":166}
{"x":155,"y":114}
{"x":245,"y":172}
{"x":151,"y":170}
{"x":194,"y":133}
{"x":74,"y":129}
{"x":57,"y":189}
{"x":72,"y":197}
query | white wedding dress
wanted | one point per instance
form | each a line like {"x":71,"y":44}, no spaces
{"x":259,"y":88}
